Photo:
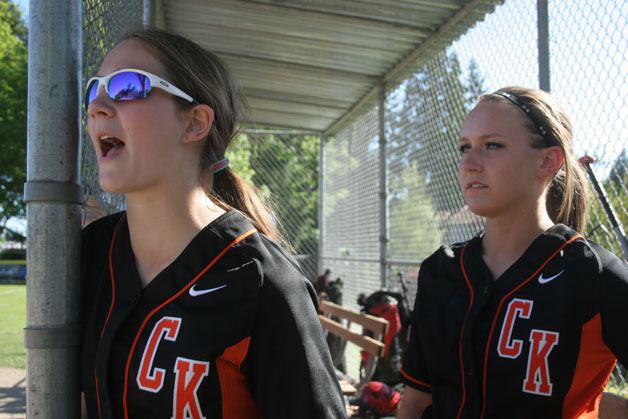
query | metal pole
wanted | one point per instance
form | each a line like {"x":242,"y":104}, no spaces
{"x":153,"y":13}
{"x":544,"y":52}
{"x":52,"y":335}
{"x":383,"y":218}
{"x":586,"y":161}
{"x":321,"y":223}
{"x":148,"y":13}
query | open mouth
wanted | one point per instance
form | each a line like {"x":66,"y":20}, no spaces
{"x":475,"y":185}
{"x":110,"y":146}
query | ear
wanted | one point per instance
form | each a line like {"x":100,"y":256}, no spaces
{"x":553,"y":159}
{"x":200,"y":119}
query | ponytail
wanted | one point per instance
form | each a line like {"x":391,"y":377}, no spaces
{"x":230,"y":191}
{"x":568,"y":196}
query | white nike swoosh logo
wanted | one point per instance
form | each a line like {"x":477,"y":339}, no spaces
{"x":543,"y":280}
{"x":196,"y":293}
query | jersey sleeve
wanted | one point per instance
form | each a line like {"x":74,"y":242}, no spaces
{"x":414,"y":372}
{"x":613,"y":300}
{"x":95,"y":239}
{"x":288,"y":365}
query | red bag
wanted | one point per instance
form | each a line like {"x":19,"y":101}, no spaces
{"x":380,"y":398}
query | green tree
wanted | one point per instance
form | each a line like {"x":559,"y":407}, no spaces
{"x":13,"y":85}
{"x":474,"y":85}
{"x":284,"y":169}
{"x":239,"y":155}
{"x":424,"y":133}
{"x":287,"y":167}
{"x":411,"y":211}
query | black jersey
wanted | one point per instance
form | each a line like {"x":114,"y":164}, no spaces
{"x":228,"y":330}
{"x":539,"y":342}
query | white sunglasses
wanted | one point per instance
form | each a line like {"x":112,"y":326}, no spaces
{"x":130,"y":84}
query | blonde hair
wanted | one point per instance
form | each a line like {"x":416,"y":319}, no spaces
{"x":567,"y":199}
{"x":205,"y":77}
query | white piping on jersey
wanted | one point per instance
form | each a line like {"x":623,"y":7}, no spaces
{"x":241,"y":266}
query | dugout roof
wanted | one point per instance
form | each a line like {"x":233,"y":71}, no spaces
{"x":308,"y":64}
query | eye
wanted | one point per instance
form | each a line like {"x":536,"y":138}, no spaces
{"x":464,"y":148}
{"x":493,"y":146}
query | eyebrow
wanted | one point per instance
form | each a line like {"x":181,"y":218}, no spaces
{"x":485,"y":136}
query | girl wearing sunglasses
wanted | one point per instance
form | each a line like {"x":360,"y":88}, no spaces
{"x":191,"y":307}
{"x":528,"y":319}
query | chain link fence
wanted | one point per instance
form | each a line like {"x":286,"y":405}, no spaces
{"x":283,"y":166}
{"x":424,"y":113}
{"x":350,"y":223}
{"x":103,"y":24}
{"x":588,"y":52}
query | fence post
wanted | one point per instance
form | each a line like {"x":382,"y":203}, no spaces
{"x":543,"y":45}
{"x":52,"y":195}
{"x":321,"y":180}
{"x":383,"y":207}
{"x":148,"y":12}
{"x":153,"y":13}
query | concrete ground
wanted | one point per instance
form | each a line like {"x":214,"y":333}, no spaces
{"x":12,"y":393}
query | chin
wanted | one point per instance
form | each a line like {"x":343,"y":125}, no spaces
{"x":480,"y":209}
{"x":110,"y":185}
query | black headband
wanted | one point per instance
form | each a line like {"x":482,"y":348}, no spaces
{"x":531,"y":115}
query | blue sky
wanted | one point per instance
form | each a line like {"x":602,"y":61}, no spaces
{"x":23,"y":5}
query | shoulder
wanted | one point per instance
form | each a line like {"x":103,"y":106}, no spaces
{"x":594,"y":262}
{"x":446,"y":258}
{"x":280,"y":271}
{"x":606,"y":263}
{"x":277,"y":267}
{"x":96,"y":236}
{"x":102,"y":227}
{"x":588,"y":252}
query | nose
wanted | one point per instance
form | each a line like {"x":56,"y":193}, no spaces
{"x":101,"y":105}
{"x":470,"y":162}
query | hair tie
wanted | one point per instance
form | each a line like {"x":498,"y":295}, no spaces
{"x":529,"y":113}
{"x":220,"y":165}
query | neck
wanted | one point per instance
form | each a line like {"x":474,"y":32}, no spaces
{"x":507,"y":238}
{"x":161,"y":225}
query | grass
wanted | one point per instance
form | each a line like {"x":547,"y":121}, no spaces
{"x":13,"y":262}
{"x":12,"y":321}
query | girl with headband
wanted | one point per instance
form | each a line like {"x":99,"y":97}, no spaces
{"x":528,"y":319}
{"x":192,"y":309}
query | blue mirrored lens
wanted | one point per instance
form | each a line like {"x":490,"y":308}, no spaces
{"x":91,"y":93}
{"x":128,"y":86}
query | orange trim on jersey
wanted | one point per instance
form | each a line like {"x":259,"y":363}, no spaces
{"x":113,"y":300}
{"x":113,"y":283}
{"x":499,"y":307}
{"x":593,"y":369}
{"x":237,"y":401}
{"x":97,"y":395}
{"x":466,"y":278}
{"x":414,"y":380}
{"x":165,"y":303}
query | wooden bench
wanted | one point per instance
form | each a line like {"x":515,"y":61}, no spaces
{"x":613,"y":406}
{"x":374,"y":345}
